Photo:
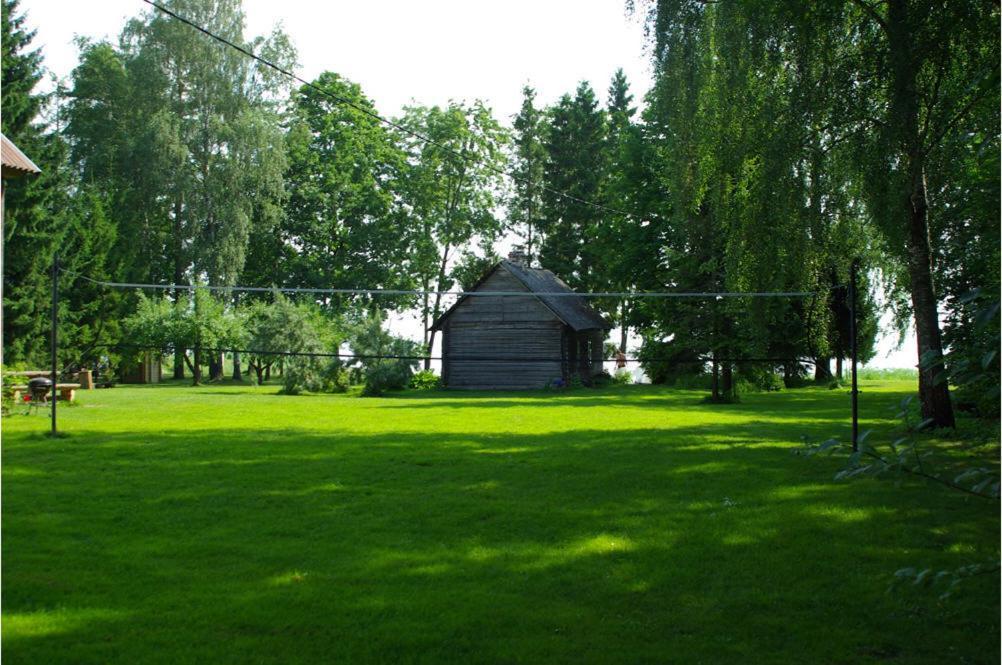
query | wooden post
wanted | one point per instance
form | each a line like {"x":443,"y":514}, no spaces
{"x":55,"y":336}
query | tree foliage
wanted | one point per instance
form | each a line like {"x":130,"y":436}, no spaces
{"x":342,"y":226}
{"x":450,"y":189}
{"x":388,"y":362}
{"x":45,"y":215}
{"x":825,"y":125}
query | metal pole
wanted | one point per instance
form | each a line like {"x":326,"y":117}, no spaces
{"x":55,"y":334}
{"x":853,"y":345}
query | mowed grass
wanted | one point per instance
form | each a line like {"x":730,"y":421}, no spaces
{"x":630,"y":525}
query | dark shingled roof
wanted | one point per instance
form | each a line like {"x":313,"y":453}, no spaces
{"x":574,"y":311}
{"x":14,"y":162}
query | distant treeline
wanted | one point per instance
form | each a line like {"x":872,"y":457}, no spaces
{"x":778,"y":143}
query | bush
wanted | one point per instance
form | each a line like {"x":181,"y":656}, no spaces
{"x":315,"y":375}
{"x":336,"y":379}
{"x":758,"y":378}
{"x":374,"y":343}
{"x":302,"y":374}
{"x":622,"y":377}
{"x":693,"y":382}
{"x":388,"y":375}
{"x":425,"y":380}
{"x":666,"y":363}
{"x":601,"y":380}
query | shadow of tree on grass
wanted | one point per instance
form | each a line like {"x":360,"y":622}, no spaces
{"x":707,"y":543}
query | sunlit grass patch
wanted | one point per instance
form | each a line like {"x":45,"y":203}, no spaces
{"x":635,"y":524}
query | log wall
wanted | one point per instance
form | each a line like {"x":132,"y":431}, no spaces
{"x":506,"y":327}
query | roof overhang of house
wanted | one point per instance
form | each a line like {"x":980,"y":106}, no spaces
{"x":14,"y":163}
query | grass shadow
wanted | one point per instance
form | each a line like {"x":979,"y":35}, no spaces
{"x":230,"y":545}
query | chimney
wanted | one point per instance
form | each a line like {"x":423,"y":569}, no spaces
{"x":517,"y":256}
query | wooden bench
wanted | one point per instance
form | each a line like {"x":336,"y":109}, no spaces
{"x":84,"y":377}
{"x":67,"y":391}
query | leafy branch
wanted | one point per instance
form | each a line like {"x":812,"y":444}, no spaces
{"x":904,"y":455}
{"x":927,"y":578}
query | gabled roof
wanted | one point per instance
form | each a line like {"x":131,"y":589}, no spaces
{"x":14,"y":162}
{"x":572,"y":310}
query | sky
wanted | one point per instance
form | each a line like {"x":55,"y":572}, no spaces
{"x":403,"y":51}
{"x":427,"y":52}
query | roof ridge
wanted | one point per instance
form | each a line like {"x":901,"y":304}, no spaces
{"x":574,"y":312}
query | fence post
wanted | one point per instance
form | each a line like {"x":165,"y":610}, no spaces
{"x":55,"y":335}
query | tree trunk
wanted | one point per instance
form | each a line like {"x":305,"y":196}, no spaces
{"x":196,"y":366}
{"x":438,"y":303}
{"x":788,"y":374}
{"x":623,"y":329}
{"x":237,"y":369}
{"x":715,"y":391}
{"x":425,"y":310}
{"x":822,"y":370}
{"x":727,"y":380}
{"x":905,"y":59}
{"x":178,"y":249}
{"x":215,"y":365}
{"x":934,"y":392}
{"x":179,"y":363}
{"x":267,"y":372}
{"x":838,"y":367}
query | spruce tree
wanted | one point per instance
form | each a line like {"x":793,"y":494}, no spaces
{"x":49,"y":213}
{"x":575,"y":165}
{"x":528,"y":158}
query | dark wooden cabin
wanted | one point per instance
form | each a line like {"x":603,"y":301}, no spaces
{"x":513,"y":342}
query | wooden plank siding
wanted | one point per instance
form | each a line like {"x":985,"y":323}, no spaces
{"x":514,"y":342}
{"x":518,"y":331}
{"x":521,"y":356}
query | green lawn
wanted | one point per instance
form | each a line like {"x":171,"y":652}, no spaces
{"x":631,"y":525}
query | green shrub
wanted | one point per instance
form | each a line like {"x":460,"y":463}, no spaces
{"x":387,"y":362}
{"x":666,"y":363}
{"x":336,"y":379}
{"x":425,"y":380}
{"x":387,"y":375}
{"x":315,"y":375}
{"x":758,"y":378}
{"x":693,"y":381}
{"x":302,"y":374}
{"x":601,"y":380}
{"x":622,"y":377}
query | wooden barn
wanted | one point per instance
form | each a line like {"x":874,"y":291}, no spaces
{"x":513,"y":342}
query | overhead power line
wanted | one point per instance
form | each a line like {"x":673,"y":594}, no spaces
{"x":463,"y":358}
{"x":372,"y":114}
{"x":410,"y":292}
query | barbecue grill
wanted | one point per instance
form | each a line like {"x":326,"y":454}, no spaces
{"x":38,"y":390}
